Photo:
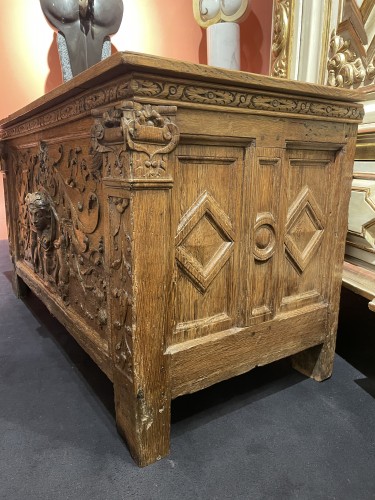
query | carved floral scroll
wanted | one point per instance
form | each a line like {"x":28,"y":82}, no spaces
{"x":281,"y":38}
{"x":121,"y":282}
{"x":58,"y":215}
{"x":345,"y":69}
{"x":146,"y":130}
{"x":352,"y":47}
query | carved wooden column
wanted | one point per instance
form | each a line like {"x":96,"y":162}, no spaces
{"x":138,"y":235}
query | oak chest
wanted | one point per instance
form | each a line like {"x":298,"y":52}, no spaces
{"x":184,"y":223}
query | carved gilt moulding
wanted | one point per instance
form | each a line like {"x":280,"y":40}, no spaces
{"x":187,"y":93}
{"x":300,"y":38}
{"x":281,"y":38}
{"x":351,"y":60}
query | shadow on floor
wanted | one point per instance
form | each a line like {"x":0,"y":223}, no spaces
{"x":91,"y":374}
{"x":239,"y":391}
{"x":356,"y":337}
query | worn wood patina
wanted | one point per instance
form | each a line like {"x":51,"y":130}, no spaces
{"x":186,"y":224}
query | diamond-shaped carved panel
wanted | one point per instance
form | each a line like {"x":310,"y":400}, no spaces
{"x":204,"y":241}
{"x":304,"y":229}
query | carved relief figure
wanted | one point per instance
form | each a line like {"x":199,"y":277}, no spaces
{"x":58,"y":218}
{"x":46,"y":245}
{"x":42,"y":231}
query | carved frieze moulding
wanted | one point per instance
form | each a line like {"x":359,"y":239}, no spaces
{"x":149,"y":132}
{"x":251,"y":100}
{"x":79,"y":106}
{"x":177,"y":94}
{"x":58,"y":216}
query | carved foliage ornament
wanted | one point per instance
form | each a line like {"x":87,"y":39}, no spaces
{"x":352,"y":47}
{"x":209,"y":95}
{"x":147,"y":130}
{"x":121,"y":282}
{"x":281,"y":28}
{"x":345,"y":69}
{"x":58,"y":217}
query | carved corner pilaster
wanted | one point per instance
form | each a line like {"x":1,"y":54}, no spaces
{"x":3,"y":158}
{"x":120,"y":283}
{"x":148,"y":132}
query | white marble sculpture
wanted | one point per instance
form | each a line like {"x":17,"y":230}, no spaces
{"x":221,"y":18}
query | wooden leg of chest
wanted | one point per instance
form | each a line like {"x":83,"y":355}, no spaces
{"x":143,"y":419}
{"x":20,"y":288}
{"x":139,"y":292}
{"x":316,"y":362}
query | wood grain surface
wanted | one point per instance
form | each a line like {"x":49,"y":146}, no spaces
{"x":184,"y":223}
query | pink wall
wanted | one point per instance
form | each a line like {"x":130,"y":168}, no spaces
{"x":29,"y":60}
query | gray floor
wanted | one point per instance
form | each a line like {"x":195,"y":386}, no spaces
{"x":269,"y":434}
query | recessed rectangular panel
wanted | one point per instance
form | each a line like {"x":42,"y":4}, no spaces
{"x":307,"y":236}
{"x":263,"y":224}
{"x":207,"y":209}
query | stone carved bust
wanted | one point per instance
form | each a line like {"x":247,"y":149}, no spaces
{"x":83,"y":29}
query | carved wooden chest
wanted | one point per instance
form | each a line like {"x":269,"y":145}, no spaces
{"x":184,"y":223}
